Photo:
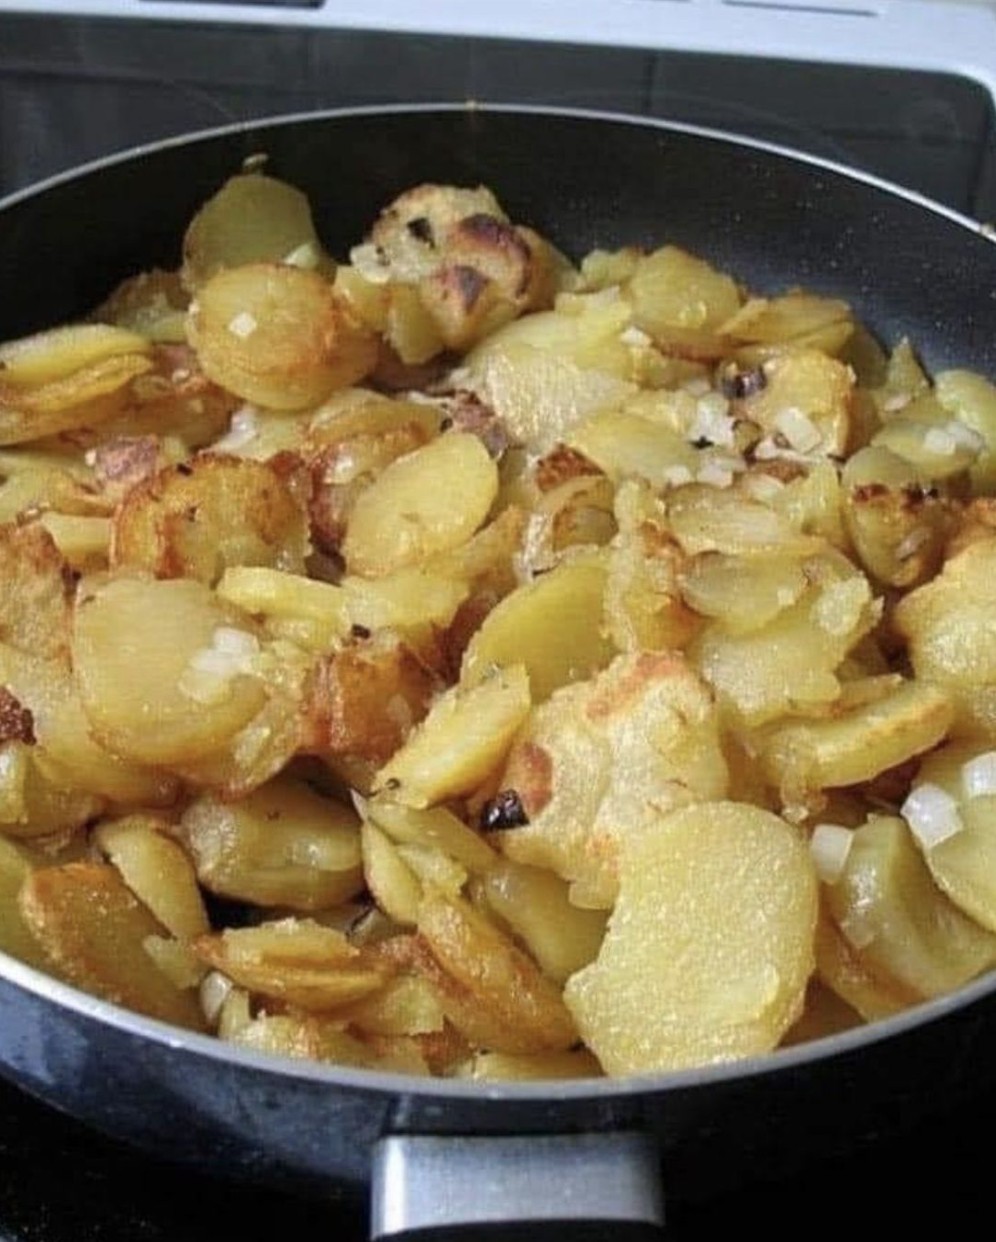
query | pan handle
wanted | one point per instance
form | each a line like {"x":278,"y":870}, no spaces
{"x":578,"y":1186}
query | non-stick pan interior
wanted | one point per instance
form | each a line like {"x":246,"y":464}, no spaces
{"x":772,"y":220}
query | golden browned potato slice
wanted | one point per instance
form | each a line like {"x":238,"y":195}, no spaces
{"x":890,"y":911}
{"x":60,"y":353}
{"x":462,"y":741}
{"x":530,"y":1066}
{"x":36,"y":798}
{"x":602,"y":760}
{"x":281,"y":845}
{"x":436,"y":827}
{"x":92,"y":930}
{"x":488,"y":988}
{"x":148,"y":681}
{"x":252,"y":218}
{"x":768,"y":326}
{"x":35,"y":608}
{"x":710,"y":947}
{"x":157,"y":871}
{"x":429,"y":501}
{"x":15,"y":936}
{"x":277,"y":335}
{"x":295,"y":961}
{"x":315,"y":1038}
{"x":197,"y":519}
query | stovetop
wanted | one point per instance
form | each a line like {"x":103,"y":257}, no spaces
{"x":60,"y":1182}
{"x":80,"y":80}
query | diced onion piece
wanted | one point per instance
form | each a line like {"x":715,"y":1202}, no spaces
{"x":830,"y":844}
{"x":978,"y":775}
{"x":214,"y":991}
{"x":799,"y":431}
{"x":932,"y":815}
{"x":243,"y":325}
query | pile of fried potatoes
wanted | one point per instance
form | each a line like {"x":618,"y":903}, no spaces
{"x":458,"y":660}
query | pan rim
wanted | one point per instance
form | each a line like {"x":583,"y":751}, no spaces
{"x":472,"y":107}
{"x":51,"y":990}
{"x":213,"y":1049}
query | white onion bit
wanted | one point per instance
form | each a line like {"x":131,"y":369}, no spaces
{"x":932,"y":815}
{"x":978,"y":775}
{"x":830,"y":846}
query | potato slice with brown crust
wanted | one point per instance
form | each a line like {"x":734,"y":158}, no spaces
{"x":277,"y":335}
{"x":490,"y":990}
{"x":295,"y":961}
{"x":91,"y":928}
{"x":198,"y":518}
{"x":35,"y":604}
{"x":710,"y":947}
{"x":602,"y":760}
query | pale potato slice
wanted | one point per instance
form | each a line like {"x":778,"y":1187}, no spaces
{"x":852,"y":746}
{"x":602,"y":760}
{"x":963,"y":863}
{"x":35,"y":606}
{"x":971,"y":398}
{"x":157,"y":871}
{"x":488,"y":988}
{"x":281,"y":845}
{"x":552,"y":625}
{"x":436,"y":826}
{"x":134,"y":640}
{"x":535,"y":904}
{"x":314,"y":1038}
{"x":92,"y":929}
{"x":710,"y":947}
{"x":277,"y":335}
{"x":744,"y":594}
{"x":58,"y":353}
{"x":871,"y":993}
{"x":462,"y":741}
{"x":890,"y":911}
{"x":36,"y":799}
{"x":252,"y":218}
{"x":395,"y":886}
{"x":674,"y":293}
{"x":947,"y":623}
{"x":426,"y":502}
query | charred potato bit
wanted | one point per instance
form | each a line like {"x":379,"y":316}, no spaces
{"x":443,"y":659}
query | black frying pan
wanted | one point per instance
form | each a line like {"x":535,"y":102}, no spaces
{"x":444,"y":1153}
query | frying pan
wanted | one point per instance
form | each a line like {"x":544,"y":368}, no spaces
{"x":589,"y":1157}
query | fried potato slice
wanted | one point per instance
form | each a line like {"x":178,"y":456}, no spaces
{"x":552,"y":625}
{"x":35,"y":606}
{"x":488,"y":988}
{"x":16,"y":937}
{"x":92,"y":930}
{"x":602,"y":760}
{"x":252,"y":218}
{"x":136,"y":646}
{"x":429,"y":501}
{"x":947,"y":622}
{"x":201,"y":517}
{"x":710,"y":947}
{"x":277,"y":335}
{"x":295,"y":961}
{"x":157,"y":871}
{"x":461,"y":742}
{"x":898,"y":921}
{"x":282,"y":845}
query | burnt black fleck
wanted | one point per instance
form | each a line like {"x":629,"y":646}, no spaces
{"x":504,"y":810}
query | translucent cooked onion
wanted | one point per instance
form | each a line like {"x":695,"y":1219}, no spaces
{"x":978,"y":775}
{"x":830,"y":845}
{"x":932,"y":815}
